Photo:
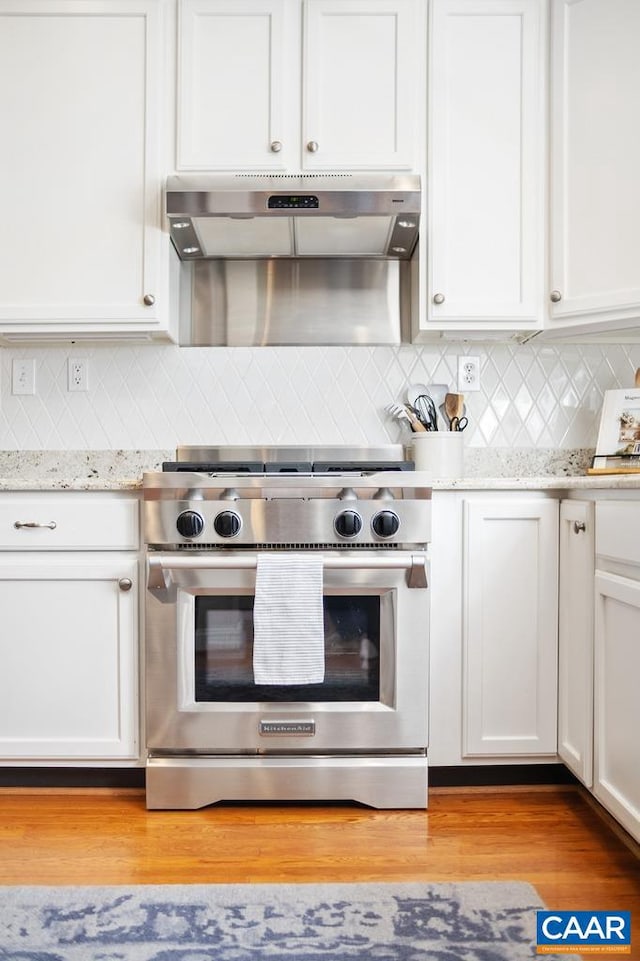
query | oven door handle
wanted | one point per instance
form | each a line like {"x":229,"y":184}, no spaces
{"x":159,"y":565}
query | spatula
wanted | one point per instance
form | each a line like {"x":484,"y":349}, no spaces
{"x":435,"y":391}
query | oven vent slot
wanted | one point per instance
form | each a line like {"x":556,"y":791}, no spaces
{"x":287,"y":547}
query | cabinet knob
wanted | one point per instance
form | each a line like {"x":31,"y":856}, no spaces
{"x":125,"y":583}
{"x":438,"y":298}
{"x":312,"y":146}
{"x":579,"y":527}
{"x":555,"y":296}
{"x":276,"y":146}
{"x":149,"y":300}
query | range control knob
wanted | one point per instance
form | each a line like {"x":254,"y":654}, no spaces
{"x":385,"y":524}
{"x":190,"y":524}
{"x":348,"y":524}
{"x":227,"y":524}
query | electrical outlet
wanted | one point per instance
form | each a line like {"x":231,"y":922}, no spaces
{"x":23,"y":376}
{"x":468,"y":374}
{"x":78,"y":374}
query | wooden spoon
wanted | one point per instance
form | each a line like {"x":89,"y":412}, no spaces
{"x":416,"y":424}
{"x":638,"y":377}
{"x":454,"y":406}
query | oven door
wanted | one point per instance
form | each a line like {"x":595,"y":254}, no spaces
{"x":200,"y":692}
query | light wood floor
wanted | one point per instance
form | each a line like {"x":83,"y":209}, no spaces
{"x":551,"y":838}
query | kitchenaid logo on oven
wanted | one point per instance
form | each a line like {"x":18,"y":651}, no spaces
{"x":296,"y":728}
{"x":590,"y":932}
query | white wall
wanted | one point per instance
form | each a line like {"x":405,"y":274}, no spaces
{"x":154,"y":397}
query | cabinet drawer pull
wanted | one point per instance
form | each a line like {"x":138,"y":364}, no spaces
{"x":312,"y":146}
{"x":555,"y":296}
{"x":276,"y":146}
{"x":438,"y":298}
{"x":579,"y":527}
{"x":20,"y":524}
{"x":125,"y":583}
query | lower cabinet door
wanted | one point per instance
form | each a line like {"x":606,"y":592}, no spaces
{"x":68,"y":656}
{"x":510,"y":603}
{"x":616,"y":781}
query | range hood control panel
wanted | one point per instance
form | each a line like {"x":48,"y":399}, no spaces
{"x":293,"y":202}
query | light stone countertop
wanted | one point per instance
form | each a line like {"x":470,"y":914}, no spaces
{"x":85,"y":470}
{"x":485,"y":469}
{"x":533,"y":469}
{"x":538,"y":483}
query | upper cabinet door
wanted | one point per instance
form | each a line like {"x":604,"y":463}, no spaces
{"x":362,"y":83}
{"x":297,"y":85}
{"x":595,"y":198}
{"x":485,"y":164}
{"x":238,"y":84}
{"x":81,"y":108}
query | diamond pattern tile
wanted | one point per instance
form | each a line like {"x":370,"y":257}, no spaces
{"x":155,"y":397}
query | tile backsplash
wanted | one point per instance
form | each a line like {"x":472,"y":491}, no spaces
{"x":155,"y":397}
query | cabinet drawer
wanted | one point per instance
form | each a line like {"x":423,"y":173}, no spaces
{"x":68,"y":521}
{"x":618,"y":530}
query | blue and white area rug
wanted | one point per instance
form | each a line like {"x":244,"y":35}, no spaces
{"x":470,"y":921}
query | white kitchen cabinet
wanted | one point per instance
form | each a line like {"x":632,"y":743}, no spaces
{"x":236,"y":101}
{"x":595,"y":153}
{"x":493,"y":671}
{"x":82,"y":102}
{"x":616,"y":781}
{"x":68,"y":521}
{"x":285,"y":85}
{"x":69,"y":639}
{"x":361,"y":66}
{"x":510,"y":604}
{"x":485,"y":165}
{"x":575,"y":638}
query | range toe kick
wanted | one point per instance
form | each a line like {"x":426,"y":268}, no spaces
{"x":191,"y":782}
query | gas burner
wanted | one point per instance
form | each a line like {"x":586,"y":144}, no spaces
{"x":218,"y":468}
{"x":213,"y":467}
{"x":216,"y":461}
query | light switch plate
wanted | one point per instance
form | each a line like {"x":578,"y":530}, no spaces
{"x":23,"y":376}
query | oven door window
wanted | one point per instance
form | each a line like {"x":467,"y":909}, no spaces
{"x":224,"y":652}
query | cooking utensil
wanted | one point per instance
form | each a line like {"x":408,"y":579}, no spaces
{"x":426,"y":411}
{"x":399,"y":411}
{"x":416,"y":424}
{"x":454,"y":407}
{"x":414,"y":391}
{"x":458,"y":423}
{"x":402,"y":412}
{"x":436,"y":392}
{"x":638,"y":377}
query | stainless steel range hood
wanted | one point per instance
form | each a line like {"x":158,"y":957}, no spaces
{"x":247,"y":216}
{"x":295,"y":260}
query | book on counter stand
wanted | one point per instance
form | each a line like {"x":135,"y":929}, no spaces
{"x":618,"y":447}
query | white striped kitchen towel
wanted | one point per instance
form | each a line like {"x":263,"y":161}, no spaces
{"x":288,"y":620}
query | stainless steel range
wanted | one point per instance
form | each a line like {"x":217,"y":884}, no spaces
{"x":287,"y":627}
